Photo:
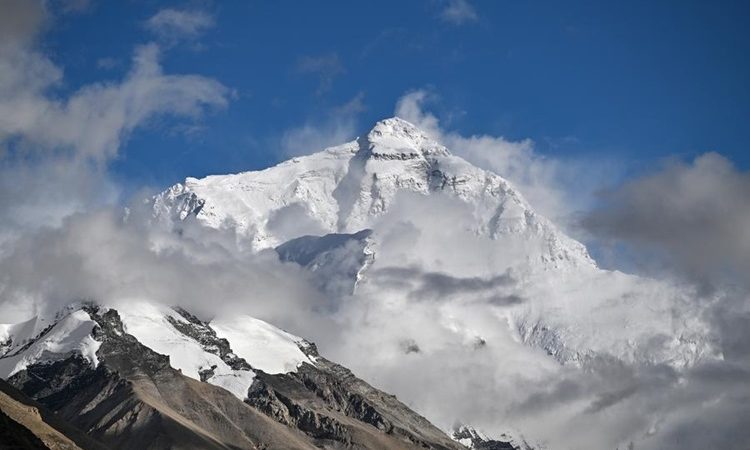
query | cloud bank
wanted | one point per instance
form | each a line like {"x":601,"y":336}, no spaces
{"x":696,"y":216}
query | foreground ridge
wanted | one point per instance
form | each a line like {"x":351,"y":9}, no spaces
{"x":132,"y":397}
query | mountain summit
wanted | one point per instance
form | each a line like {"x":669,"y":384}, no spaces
{"x":345,"y":189}
{"x":395,"y":138}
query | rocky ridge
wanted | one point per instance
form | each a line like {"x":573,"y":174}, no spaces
{"x":133,"y":398}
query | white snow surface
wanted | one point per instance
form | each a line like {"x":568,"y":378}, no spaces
{"x":148,"y":323}
{"x":68,"y":332}
{"x":69,"y":335}
{"x":264,"y":346}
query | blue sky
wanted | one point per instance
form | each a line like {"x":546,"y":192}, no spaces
{"x":635,"y":81}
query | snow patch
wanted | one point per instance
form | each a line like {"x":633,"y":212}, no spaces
{"x":262,"y":345}
{"x":68,"y":336}
{"x":148,"y":323}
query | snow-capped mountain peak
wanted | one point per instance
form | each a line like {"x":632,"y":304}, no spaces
{"x":315,"y":210}
{"x":348,"y":188}
{"x":396,"y":138}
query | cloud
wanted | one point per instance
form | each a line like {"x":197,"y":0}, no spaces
{"x":94,"y":121}
{"x":42,"y":193}
{"x":338,"y":127}
{"x":696,"y":216}
{"x":55,"y":147}
{"x":458,"y":12}
{"x":105,"y":255}
{"x":107,"y":63}
{"x":325,"y":67}
{"x":172,"y":25}
{"x":76,"y":6}
{"x":691,"y":220}
{"x":20,"y":21}
{"x":436,"y":285}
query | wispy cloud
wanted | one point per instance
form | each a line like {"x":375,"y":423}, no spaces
{"x":338,"y":127}
{"x":458,"y":12}
{"x":325,"y":67}
{"x":172,"y":25}
{"x":76,"y":6}
{"x":107,"y":63}
{"x":94,"y":121}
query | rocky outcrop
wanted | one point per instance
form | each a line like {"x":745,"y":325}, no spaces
{"x":328,"y":402}
{"x":202,"y":333}
{"x":26,"y":424}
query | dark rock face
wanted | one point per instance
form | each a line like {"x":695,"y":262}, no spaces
{"x":202,"y":333}
{"x":328,"y":402}
{"x":14,"y":436}
{"x":27,"y":424}
{"x":135,"y":400}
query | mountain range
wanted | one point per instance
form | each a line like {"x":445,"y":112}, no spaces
{"x":443,"y":282}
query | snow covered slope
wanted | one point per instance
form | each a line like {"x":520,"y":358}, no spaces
{"x":264,"y":346}
{"x":49,"y":339}
{"x":200,"y":350}
{"x":345,"y":189}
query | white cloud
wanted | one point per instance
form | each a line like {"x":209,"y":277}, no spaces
{"x":174,"y":24}
{"x":326,"y":67}
{"x":54,"y":148}
{"x":338,"y":127}
{"x":96,"y":119}
{"x":459,"y":12}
